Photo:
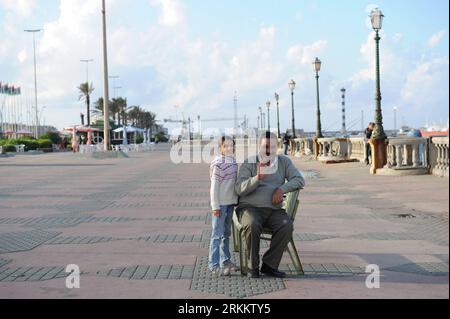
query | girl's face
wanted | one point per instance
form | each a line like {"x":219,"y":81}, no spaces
{"x":227,"y":148}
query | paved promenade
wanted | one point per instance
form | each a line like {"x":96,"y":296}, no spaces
{"x":138,"y":227}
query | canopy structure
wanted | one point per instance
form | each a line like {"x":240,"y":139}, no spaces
{"x":82,"y":129}
{"x":130,"y":129}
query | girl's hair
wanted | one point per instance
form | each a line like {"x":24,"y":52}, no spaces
{"x":225,"y":138}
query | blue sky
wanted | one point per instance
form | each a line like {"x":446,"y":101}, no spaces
{"x":195,"y":54}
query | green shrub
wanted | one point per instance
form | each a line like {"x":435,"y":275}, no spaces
{"x":161,"y":138}
{"x":9,"y":148}
{"x":52,"y":136}
{"x":45,"y":143}
{"x":139,"y":140}
{"x":30,"y":145}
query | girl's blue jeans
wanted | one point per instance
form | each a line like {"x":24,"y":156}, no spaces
{"x":219,"y":248}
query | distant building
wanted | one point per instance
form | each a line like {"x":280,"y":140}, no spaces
{"x":298,"y":132}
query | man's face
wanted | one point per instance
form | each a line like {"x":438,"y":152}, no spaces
{"x":268,"y":150}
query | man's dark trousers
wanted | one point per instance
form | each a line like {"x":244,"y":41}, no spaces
{"x":254,"y":220}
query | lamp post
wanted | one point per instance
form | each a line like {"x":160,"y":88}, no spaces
{"x":395,"y":120}
{"x":261,"y":118}
{"x":41,"y":116}
{"x":377,"y":22}
{"x":317,"y":66}
{"x":268,"y":115}
{"x":379,"y":137}
{"x":105,"y":82}
{"x":35,"y":80}
{"x":292,"y":88}
{"x":344,"y":126}
{"x":277,"y":98}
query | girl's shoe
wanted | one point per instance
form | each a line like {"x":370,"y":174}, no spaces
{"x":215,"y":271}
{"x":229,"y":268}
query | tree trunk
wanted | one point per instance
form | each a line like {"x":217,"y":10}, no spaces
{"x":88,"y":102}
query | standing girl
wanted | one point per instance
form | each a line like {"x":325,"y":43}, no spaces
{"x":223,"y":173}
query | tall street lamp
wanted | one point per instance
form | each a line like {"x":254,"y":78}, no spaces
{"x":277,"y":98}
{"x":292,"y":88}
{"x":344,"y":126}
{"x":377,"y":22}
{"x":35,"y":80}
{"x":105,"y":82}
{"x":317,"y":66}
{"x":268,"y":115}
{"x":261,"y":118}
{"x":395,"y":120}
{"x":379,"y":137}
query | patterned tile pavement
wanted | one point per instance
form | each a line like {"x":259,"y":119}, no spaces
{"x":138,"y":223}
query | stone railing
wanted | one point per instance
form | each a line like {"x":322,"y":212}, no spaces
{"x":333,"y":150}
{"x":134,"y":148}
{"x":302,"y":146}
{"x":358,"y":148}
{"x":439,"y":156}
{"x":89,"y":149}
{"x":406,"y":156}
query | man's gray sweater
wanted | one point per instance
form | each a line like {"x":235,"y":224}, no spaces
{"x":258,"y":193}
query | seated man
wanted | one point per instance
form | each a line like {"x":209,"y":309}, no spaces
{"x":261,"y":184}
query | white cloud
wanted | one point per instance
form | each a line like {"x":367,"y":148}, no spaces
{"x":163,"y":65}
{"x":397,"y":37}
{"x":22,"y":8}
{"x":22,"y":56}
{"x":423,"y":82}
{"x":436,"y":38}
{"x":171,"y":12}
{"x":306,"y":54}
{"x":390,"y":63}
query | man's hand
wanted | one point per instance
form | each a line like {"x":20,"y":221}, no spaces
{"x":216,"y":213}
{"x":277,"y":197}
{"x":261,"y":176}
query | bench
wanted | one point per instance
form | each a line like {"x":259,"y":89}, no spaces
{"x":20,"y":148}
{"x":291,"y":204}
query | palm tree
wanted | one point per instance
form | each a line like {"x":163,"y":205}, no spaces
{"x":134,"y":115}
{"x":114,"y":110}
{"x":86,"y":90}
{"x":148,"y":119}
{"x":121,"y":104}
{"x":98,"y":106}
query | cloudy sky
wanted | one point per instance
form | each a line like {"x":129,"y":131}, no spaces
{"x":197,"y":53}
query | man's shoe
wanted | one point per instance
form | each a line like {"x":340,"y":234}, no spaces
{"x":268,"y":271}
{"x":254,"y":274}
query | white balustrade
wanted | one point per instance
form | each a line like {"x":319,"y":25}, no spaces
{"x":358,"y":147}
{"x":439,"y":156}
{"x":333,"y":149}
{"x":406,"y":156}
{"x":302,"y":146}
